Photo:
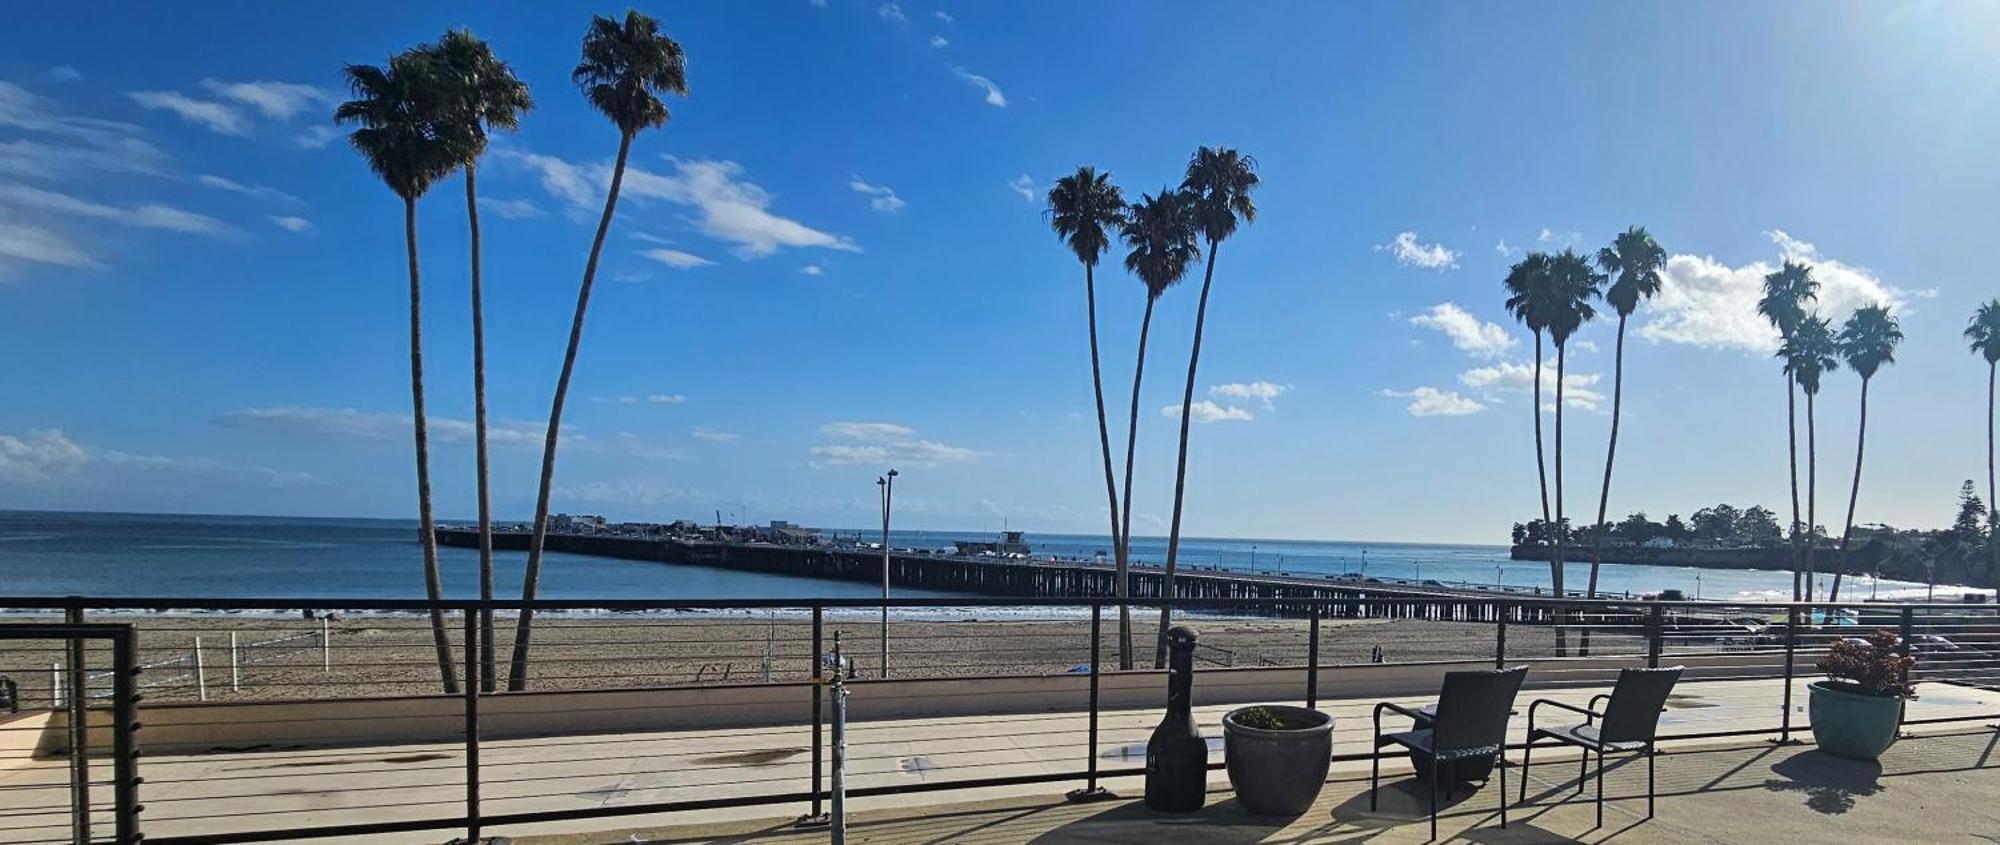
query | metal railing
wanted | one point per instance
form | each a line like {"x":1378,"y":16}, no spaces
{"x":1291,"y":647}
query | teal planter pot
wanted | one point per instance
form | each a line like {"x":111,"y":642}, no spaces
{"x":1853,"y":725}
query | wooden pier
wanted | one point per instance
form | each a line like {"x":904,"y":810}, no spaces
{"x":1024,"y":578}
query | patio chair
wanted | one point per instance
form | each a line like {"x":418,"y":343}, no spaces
{"x":1470,"y":723}
{"x":1631,"y":721}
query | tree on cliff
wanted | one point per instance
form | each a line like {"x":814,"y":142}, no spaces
{"x":1867,"y":341}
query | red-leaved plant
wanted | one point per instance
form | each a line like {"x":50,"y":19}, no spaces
{"x":1873,"y":668}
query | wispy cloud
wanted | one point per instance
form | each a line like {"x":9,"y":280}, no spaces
{"x":944,"y":17}
{"x":1259,"y":391}
{"x":993,"y":96}
{"x":891,"y":12}
{"x":51,"y":456}
{"x":883,"y":444}
{"x":294,"y":225}
{"x":220,"y":183}
{"x":1470,"y":334}
{"x":511,"y":209}
{"x":314,"y":137}
{"x":63,"y":73}
{"x":813,"y":270}
{"x":1023,"y":185}
{"x":146,"y":216}
{"x":1558,"y":240}
{"x":1432,"y":402}
{"x":217,"y":117}
{"x":939,"y":42}
{"x":713,"y":436}
{"x":277,"y":100}
{"x":643,"y":399}
{"x":675,"y":258}
{"x":1204,"y":411}
{"x":880,"y":197}
{"x":22,"y":242}
{"x":1409,"y":252}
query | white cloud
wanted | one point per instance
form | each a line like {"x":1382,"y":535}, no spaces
{"x":1513,"y":377}
{"x":939,"y":42}
{"x":1432,"y":402}
{"x":147,"y":216}
{"x":993,"y":96}
{"x":1584,"y":345}
{"x":944,"y":17}
{"x":1204,"y":411}
{"x":1410,"y":253}
{"x":665,"y":399}
{"x":64,"y":73}
{"x":49,"y":455}
{"x":1023,"y":185}
{"x":279,"y":100}
{"x":69,"y":142}
{"x":813,"y":270}
{"x":314,"y":137}
{"x":39,"y":456}
{"x":1468,"y":333}
{"x":883,"y":443}
{"x":1559,"y":239}
{"x":1704,"y":302}
{"x":891,"y":12}
{"x":629,"y":493}
{"x":295,"y":225}
{"x":1261,"y":391}
{"x":726,"y":207}
{"x":375,"y":425}
{"x":511,"y":209}
{"x":675,"y":258}
{"x":1504,"y":250}
{"x":219,"y":183}
{"x":216,"y":116}
{"x":645,"y":399}
{"x":881,"y":197}
{"x":713,"y":436}
{"x":21,"y":242}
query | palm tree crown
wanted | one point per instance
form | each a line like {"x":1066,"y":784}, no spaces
{"x":1636,"y":259}
{"x":1527,"y":291}
{"x":1220,"y":182}
{"x":1160,"y":228}
{"x":405,"y":127}
{"x":1082,"y":206}
{"x":1869,"y":339}
{"x":1983,"y":334}
{"x":1786,"y":293}
{"x":627,"y":66}
{"x":481,"y":89}
{"x":1571,"y":285}
{"x":1810,"y":353}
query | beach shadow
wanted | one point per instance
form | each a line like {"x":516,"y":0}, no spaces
{"x":1221,"y":822}
{"x":1831,"y":784}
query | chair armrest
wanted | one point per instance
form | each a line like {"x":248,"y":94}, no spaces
{"x":1388,"y":705}
{"x":1588,"y":713}
{"x":1602,"y":696}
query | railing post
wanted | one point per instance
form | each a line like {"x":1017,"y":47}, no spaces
{"x":200,"y":673}
{"x":1092,"y":791}
{"x":78,"y":700}
{"x":1656,"y":629}
{"x":1500,"y":636}
{"x":818,"y":814}
{"x":1312,"y":660}
{"x":235,"y":664}
{"x":326,"y":645}
{"x":124,"y":728}
{"x":1791,"y":652}
{"x":1908,"y":628}
{"x":472,"y":674}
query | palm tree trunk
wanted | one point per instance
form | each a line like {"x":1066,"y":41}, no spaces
{"x":1604,"y":494}
{"x":1792,"y":450}
{"x":1562,"y":355}
{"x":487,"y":681}
{"x":1110,"y":477}
{"x":517,"y":678}
{"x":433,"y":582}
{"x":1853,"y":493}
{"x":1125,"y":530}
{"x":1992,"y":504}
{"x":1180,"y":466}
{"x":1541,"y":463}
{"x":1812,"y":493}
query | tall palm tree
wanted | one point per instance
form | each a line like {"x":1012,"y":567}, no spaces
{"x":1218,"y":182}
{"x":1867,"y":341}
{"x":1573,"y":283}
{"x":1809,"y":354}
{"x":1084,"y":209}
{"x":1783,"y":305}
{"x":1984,"y":335}
{"x":1635,"y":258}
{"x":627,"y":67}
{"x":483,"y":95}
{"x":1527,"y":286}
{"x":399,"y":112}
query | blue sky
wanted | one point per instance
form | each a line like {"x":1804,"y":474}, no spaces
{"x":832,"y":260}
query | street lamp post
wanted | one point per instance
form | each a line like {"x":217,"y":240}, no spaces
{"x":1253,"y":558}
{"x":888,"y":489}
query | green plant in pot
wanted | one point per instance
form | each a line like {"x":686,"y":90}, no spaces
{"x":1858,"y":710}
{"x":1277,"y":756}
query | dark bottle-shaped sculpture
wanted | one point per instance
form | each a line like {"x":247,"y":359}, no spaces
{"x":1177,"y":756}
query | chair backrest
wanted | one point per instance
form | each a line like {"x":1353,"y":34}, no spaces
{"x":1633,"y":713}
{"x":1473,"y":708}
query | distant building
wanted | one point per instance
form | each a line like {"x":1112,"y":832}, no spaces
{"x":577,"y":523}
{"x":784,"y":533}
{"x":1010,"y":545}
{"x":1658,"y":543}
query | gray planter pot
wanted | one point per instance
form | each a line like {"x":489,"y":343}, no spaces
{"x":1278,"y":772}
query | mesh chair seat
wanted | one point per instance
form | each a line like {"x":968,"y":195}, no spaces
{"x":1587,"y":736}
{"x":1422,"y":740}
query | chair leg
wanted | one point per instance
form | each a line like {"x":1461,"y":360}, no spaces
{"x":1582,"y":771}
{"x":1434,"y":801}
{"x":1527,"y":751}
{"x":1374,"y":776}
{"x":1600,"y":787}
{"x":1649,"y":781}
{"x":1501,"y":764}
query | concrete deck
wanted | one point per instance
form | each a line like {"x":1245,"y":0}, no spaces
{"x":310,"y":787}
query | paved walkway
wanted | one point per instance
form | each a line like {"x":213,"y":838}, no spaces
{"x":288,"y":788}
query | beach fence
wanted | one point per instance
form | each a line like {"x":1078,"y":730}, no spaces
{"x":208,"y":668}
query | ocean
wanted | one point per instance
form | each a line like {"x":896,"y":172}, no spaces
{"x":176,"y":556}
